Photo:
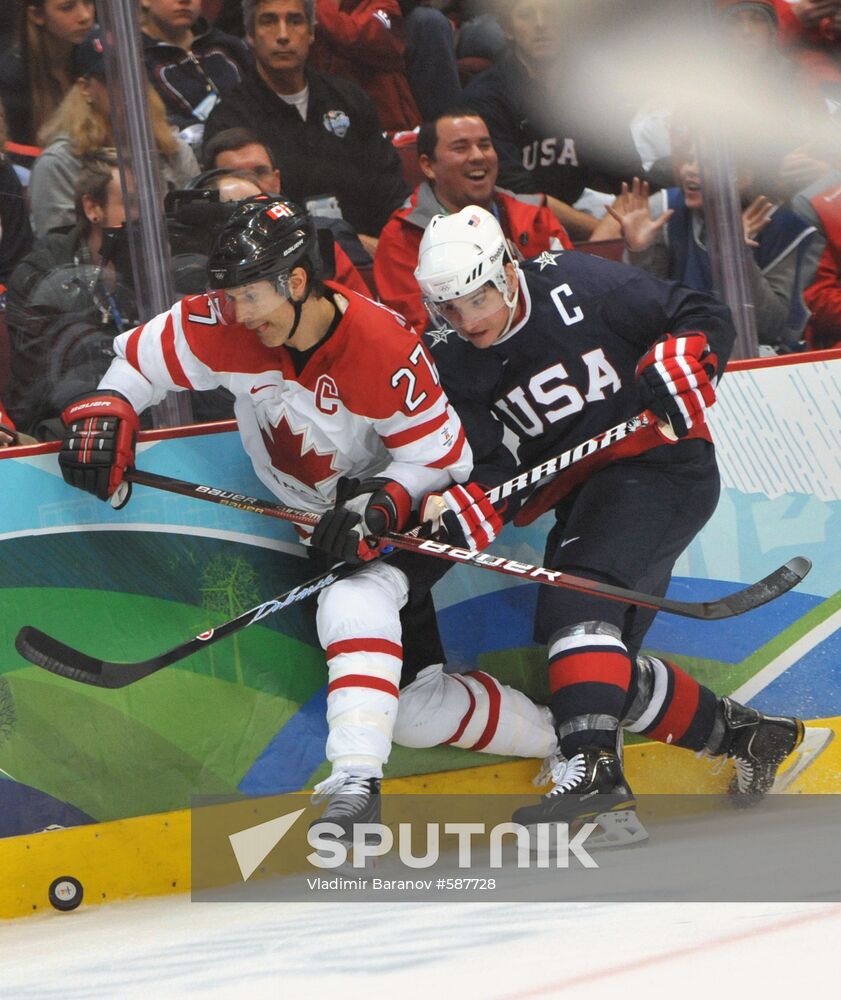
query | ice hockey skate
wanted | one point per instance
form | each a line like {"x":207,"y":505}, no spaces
{"x":352,"y":800}
{"x":588,"y":788}
{"x":759,"y":744}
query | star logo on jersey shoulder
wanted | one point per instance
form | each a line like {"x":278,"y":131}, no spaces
{"x":547,"y":259}
{"x":438,"y":336}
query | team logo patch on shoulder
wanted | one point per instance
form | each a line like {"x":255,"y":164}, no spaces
{"x":547,"y":259}
{"x":337,"y":122}
{"x":381,"y":15}
{"x":438,"y":336}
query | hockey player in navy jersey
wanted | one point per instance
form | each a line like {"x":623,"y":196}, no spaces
{"x":339,"y":408}
{"x":557,"y":350}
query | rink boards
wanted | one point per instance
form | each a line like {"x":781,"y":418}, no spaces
{"x":248,"y":715}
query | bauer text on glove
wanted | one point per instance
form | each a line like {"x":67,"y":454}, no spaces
{"x":98,"y":446}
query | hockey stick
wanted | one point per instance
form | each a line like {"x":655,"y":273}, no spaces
{"x":42,"y":649}
{"x":656,"y":432}
{"x":47,"y":652}
{"x":757,"y":594}
{"x":59,"y":658}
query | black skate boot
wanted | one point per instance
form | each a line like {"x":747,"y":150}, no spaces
{"x":589,"y":788}
{"x":352,"y":800}
{"x":758,"y":744}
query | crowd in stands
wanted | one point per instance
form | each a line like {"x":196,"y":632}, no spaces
{"x":376,"y":115}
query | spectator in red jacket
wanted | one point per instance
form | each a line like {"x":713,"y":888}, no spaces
{"x":8,"y":434}
{"x":456,"y":155}
{"x":820,"y":203}
{"x":364,"y":41}
{"x":810,"y":33}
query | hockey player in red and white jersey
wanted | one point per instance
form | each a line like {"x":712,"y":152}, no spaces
{"x":340,"y":409}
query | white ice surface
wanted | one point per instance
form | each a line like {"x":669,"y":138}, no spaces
{"x":171,"y":947}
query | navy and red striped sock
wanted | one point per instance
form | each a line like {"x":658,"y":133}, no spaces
{"x":589,"y":677}
{"x":667,"y":705}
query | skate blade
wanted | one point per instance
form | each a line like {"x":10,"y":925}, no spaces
{"x":617,"y":829}
{"x":621,"y":828}
{"x":815,"y":740}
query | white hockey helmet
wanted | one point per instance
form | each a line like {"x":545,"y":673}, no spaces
{"x":461,"y":253}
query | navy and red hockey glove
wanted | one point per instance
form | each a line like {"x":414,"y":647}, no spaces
{"x":98,"y":446}
{"x":365,"y":509}
{"x":464,"y":515}
{"x":676,"y":380}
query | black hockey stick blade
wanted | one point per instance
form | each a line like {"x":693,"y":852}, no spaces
{"x":45,"y":651}
{"x":55,"y":656}
{"x":767,"y":589}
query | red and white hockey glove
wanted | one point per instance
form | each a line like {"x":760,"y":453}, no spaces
{"x":365,"y":510}
{"x":675,"y":380}
{"x":464,"y":514}
{"x":98,"y":445}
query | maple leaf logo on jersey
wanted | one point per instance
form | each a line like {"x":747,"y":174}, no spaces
{"x":292,"y":454}
{"x":547,"y":259}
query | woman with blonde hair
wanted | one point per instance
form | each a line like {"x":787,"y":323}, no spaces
{"x":36,"y":72}
{"x":80,"y":127}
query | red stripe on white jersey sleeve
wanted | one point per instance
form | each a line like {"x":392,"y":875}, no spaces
{"x":159,"y":353}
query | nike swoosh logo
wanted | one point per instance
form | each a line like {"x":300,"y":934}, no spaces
{"x":259,"y":388}
{"x":567,"y":541}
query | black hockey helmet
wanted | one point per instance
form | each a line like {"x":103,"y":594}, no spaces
{"x":264,"y":239}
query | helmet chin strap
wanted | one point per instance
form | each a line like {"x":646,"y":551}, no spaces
{"x":510,"y":299}
{"x":297,"y":305}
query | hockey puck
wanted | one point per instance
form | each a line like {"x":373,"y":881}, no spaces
{"x":66,"y":892}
